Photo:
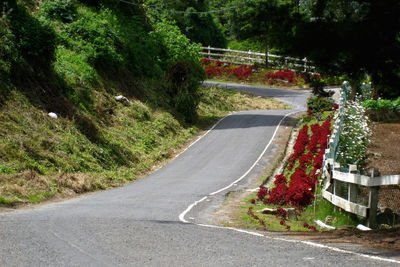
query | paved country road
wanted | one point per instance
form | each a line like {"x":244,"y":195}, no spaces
{"x":155,"y":221}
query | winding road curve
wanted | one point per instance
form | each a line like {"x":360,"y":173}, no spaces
{"x":156,"y":221}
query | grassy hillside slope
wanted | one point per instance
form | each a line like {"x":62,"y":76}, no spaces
{"x":73,"y":58}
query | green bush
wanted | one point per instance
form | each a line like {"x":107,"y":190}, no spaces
{"x":96,"y":35}
{"x":8,"y":53}
{"x":34,"y":40}
{"x":182,"y":84}
{"x":177,"y":46}
{"x":319,"y":104}
{"x":64,"y":10}
{"x":382,"y":104}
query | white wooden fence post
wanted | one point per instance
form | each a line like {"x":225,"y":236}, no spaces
{"x":249,"y":57}
{"x":209,"y":52}
{"x":373,"y":203}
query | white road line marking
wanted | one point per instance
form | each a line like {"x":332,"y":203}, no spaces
{"x":182,"y":215}
{"x":309,"y":243}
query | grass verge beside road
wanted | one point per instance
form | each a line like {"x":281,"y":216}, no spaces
{"x":43,"y":158}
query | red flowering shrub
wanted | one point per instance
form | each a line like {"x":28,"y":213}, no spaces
{"x":281,"y":75}
{"x":311,"y":227}
{"x":205,"y":61}
{"x":262,"y":192}
{"x":301,"y":142}
{"x":300,"y":190}
{"x":315,"y":138}
{"x":305,"y":159}
{"x":281,"y":212}
{"x":308,"y":153}
{"x":242,"y":72}
{"x":214,"y":71}
{"x":278,"y":193}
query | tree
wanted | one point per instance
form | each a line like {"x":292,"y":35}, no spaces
{"x":192,"y":18}
{"x":267,"y":21}
{"x":355,"y":38}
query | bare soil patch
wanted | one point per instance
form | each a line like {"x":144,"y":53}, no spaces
{"x":384,"y":154}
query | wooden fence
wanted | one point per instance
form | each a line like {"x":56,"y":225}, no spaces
{"x":249,"y":57}
{"x":342,"y":185}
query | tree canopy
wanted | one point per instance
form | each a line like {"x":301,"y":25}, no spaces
{"x":355,"y":38}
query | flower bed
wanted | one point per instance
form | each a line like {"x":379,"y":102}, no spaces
{"x":303,"y":165}
{"x":296,"y":185}
{"x":216,"y":69}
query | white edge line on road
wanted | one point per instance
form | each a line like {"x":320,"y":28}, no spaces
{"x":183,"y":214}
{"x":258,"y":159}
{"x":309,"y":243}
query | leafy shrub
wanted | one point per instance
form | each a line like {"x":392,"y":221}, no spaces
{"x":319,"y":104}
{"x":95,"y":34}
{"x":317,"y":84}
{"x":382,"y":104}
{"x":74,"y":68}
{"x":35,"y":40}
{"x":182,"y":83}
{"x":177,"y":46}
{"x":64,"y":10}
{"x":8,"y":53}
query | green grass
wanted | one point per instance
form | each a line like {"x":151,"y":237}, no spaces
{"x":323,"y":208}
{"x":42,"y":157}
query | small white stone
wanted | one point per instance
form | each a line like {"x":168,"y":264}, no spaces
{"x":53,"y":115}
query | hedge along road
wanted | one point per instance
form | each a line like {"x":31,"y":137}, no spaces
{"x":153,"y":222}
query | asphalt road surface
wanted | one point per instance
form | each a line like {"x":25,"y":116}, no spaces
{"x":155,"y":221}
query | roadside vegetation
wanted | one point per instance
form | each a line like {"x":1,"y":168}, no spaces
{"x":72,"y":59}
{"x":43,"y":157}
{"x":293,"y":202}
{"x":217,"y":70}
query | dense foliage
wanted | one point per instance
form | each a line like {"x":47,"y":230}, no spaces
{"x":341,"y":37}
{"x":192,"y":18}
{"x":69,"y":57}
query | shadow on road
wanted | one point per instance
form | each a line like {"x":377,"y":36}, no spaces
{"x":238,"y":121}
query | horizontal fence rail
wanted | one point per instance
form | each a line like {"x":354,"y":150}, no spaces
{"x":249,"y":57}
{"x":338,"y":178}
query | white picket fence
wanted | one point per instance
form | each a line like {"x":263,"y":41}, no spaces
{"x":249,"y":57}
{"x":335,"y":177}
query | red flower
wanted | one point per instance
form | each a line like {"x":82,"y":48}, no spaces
{"x":262,"y":192}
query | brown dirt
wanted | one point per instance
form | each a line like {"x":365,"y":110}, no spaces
{"x":384,"y":154}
